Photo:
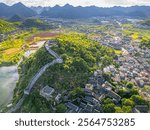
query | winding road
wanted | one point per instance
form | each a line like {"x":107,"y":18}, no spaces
{"x":27,"y":90}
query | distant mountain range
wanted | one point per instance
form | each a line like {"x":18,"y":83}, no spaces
{"x":71,"y":12}
{"x":19,"y":9}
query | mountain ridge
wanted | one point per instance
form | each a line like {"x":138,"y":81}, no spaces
{"x":73,"y":12}
{"x":18,"y":8}
{"x":69,"y":11}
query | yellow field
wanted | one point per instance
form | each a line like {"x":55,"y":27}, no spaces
{"x":118,"y":52}
{"x":11,"y":51}
{"x":147,"y":87}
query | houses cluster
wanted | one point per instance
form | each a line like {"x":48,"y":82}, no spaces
{"x":142,"y":26}
{"x":95,"y":90}
{"x":131,"y":70}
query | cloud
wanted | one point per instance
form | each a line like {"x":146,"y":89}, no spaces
{"x":104,"y":3}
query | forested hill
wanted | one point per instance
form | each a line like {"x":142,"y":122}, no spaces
{"x":6,"y":26}
{"x":81,"y":58}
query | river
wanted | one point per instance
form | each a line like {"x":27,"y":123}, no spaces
{"x":8,"y":78}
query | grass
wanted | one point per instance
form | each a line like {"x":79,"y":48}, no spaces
{"x":11,"y":51}
{"x":136,"y":32}
{"x":118,"y":52}
{"x":127,"y":25}
{"x":146,"y":87}
{"x":135,"y":36}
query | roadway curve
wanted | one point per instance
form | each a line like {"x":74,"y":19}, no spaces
{"x":27,"y":90}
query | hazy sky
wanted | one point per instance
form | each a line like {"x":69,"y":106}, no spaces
{"x":102,"y":3}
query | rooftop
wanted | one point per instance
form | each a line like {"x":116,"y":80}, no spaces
{"x":48,"y":90}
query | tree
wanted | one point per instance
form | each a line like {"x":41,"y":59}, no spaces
{"x":106,"y":60}
{"x":122,"y":92}
{"x":145,"y":43}
{"x":127,"y":109}
{"x":139,"y":100}
{"x":80,"y":64}
{"x":107,"y":101}
{"x":61,"y":108}
{"x":109,"y":108}
{"x":129,"y":85}
{"x":107,"y":76}
{"x":128,"y":102}
{"x":76,"y":92}
{"x":118,"y":110}
{"x":134,"y":91}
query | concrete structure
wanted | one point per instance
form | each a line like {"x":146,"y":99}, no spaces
{"x":58,"y":97}
{"x":47,"y":92}
{"x":72,"y":107}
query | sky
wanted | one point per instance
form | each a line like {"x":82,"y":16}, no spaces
{"x":100,"y":3}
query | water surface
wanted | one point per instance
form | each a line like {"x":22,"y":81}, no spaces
{"x":8,"y":78}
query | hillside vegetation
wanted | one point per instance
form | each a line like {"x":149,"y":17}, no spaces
{"x":6,"y":27}
{"x":145,"y":22}
{"x":145,"y":43}
{"x":143,"y":36}
{"x":36,"y":23}
{"x":81,"y":57}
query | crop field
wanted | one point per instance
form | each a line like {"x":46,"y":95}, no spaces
{"x":40,"y":36}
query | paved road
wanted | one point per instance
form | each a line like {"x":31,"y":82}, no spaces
{"x":27,"y":90}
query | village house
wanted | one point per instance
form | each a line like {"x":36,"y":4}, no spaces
{"x":72,"y":107}
{"x":58,"y":98}
{"x":47,"y":92}
{"x":142,"y":108}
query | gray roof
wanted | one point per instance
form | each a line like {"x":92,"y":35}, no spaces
{"x":114,"y":95}
{"x":48,"y":90}
{"x":82,"y":105}
{"x":96,"y":111}
{"x":142,"y":108}
{"x":89,"y":107}
{"x":72,"y":106}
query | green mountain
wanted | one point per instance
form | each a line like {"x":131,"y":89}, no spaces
{"x":16,"y":18}
{"x":6,"y":26}
{"x":31,"y":22}
{"x":81,"y":58}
